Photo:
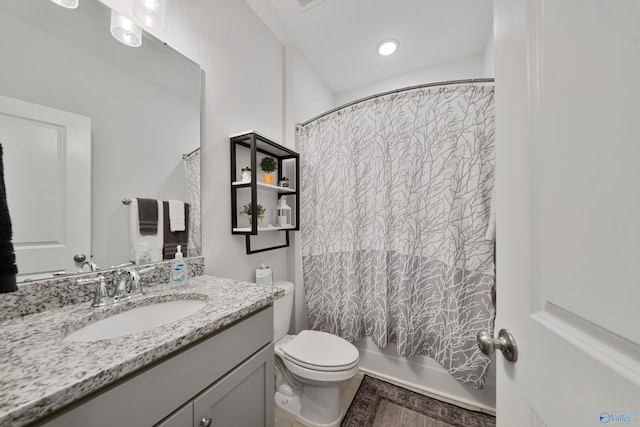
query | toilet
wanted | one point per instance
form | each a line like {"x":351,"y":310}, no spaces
{"x":311,"y":367}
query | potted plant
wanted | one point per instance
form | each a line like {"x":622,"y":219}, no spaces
{"x":248,"y":209}
{"x":268,"y":165}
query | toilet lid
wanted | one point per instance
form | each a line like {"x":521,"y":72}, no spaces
{"x":321,"y":351}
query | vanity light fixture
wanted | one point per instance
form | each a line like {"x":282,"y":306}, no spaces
{"x":387,"y":46}
{"x":69,"y":4}
{"x":125,"y":30}
{"x":150,"y":12}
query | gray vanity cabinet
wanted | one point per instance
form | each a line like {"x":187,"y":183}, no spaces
{"x":227,"y":377}
{"x":239,"y":399}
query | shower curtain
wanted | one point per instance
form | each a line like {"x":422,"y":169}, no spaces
{"x":192,"y":169}
{"x":394,"y":209}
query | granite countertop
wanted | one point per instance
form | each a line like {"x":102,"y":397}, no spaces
{"x":42,"y":373}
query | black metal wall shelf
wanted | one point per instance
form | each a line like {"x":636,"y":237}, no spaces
{"x":263,"y":186}
{"x":256,"y":144}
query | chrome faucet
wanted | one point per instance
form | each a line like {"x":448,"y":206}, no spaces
{"x":127,"y":286}
{"x":101,"y":294}
{"x":92,"y":265}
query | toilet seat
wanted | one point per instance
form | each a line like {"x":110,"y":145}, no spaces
{"x":320,"y":351}
{"x":318,"y":377}
{"x":320,"y":367}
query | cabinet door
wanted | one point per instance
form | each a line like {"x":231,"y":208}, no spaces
{"x":244,"y":398}
{"x":183,"y":417}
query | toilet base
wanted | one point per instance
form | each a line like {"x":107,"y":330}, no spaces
{"x":292,"y":405}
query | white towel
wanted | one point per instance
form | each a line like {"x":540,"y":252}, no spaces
{"x":176,"y":216}
{"x":154,"y":242}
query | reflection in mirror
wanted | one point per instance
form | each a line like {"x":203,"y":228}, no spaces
{"x":142,"y":109}
{"x":51,"y":213}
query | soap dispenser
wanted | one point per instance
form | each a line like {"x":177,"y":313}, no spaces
{"x":179,"y":269}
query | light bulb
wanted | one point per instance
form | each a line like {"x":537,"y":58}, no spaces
{"x":387,"y":47}
{"x":150,"y":12}
{"x":125,"y":30}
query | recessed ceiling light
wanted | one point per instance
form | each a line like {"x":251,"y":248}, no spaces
{"x":387,"y":47}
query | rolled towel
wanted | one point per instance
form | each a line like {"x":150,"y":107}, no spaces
{"x":148,"y":216}
{"x":176,"y":216}
{"x":8,"y":267}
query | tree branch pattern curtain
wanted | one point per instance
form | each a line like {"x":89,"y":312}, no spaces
{"x":395,"y":205}
{"x":192,"y":169}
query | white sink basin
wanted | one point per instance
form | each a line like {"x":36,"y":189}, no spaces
{"x":136,"y":320}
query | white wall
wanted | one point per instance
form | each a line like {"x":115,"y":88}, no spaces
{"x":312,"y":95}
{"x":243,"y":66}
{"x":307,"y":96}
{"x":464,"y":68}
{"x":489,"y":56}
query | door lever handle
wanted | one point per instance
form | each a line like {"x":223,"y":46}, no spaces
{"x":505,"y":342}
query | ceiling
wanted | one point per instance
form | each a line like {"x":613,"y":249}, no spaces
{"x":339,"y":37}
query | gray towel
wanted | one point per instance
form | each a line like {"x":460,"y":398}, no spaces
{"x":148,"y":216}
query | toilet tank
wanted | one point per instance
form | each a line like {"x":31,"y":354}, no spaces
{"x":282,"y":310}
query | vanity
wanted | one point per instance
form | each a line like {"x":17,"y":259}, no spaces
{"x":212,"y":367}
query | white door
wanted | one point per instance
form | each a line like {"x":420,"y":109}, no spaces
{"x":568,"y":209}
{"x":47,"y":167}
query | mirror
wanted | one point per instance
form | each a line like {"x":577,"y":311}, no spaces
{"x":143,"y":105}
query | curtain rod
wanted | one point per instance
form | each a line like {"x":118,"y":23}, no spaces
{"x":404,"y":89}
{"x":188,"y":154}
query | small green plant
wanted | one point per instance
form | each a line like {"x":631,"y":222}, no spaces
{"x":248,"y":209}
{"x":268,"y":164}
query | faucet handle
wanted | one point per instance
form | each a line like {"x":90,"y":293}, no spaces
{"x":100,"y":295}
{"x":121,"y":280}
{"x":136,"y":288}
{"x":136,"y":285}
